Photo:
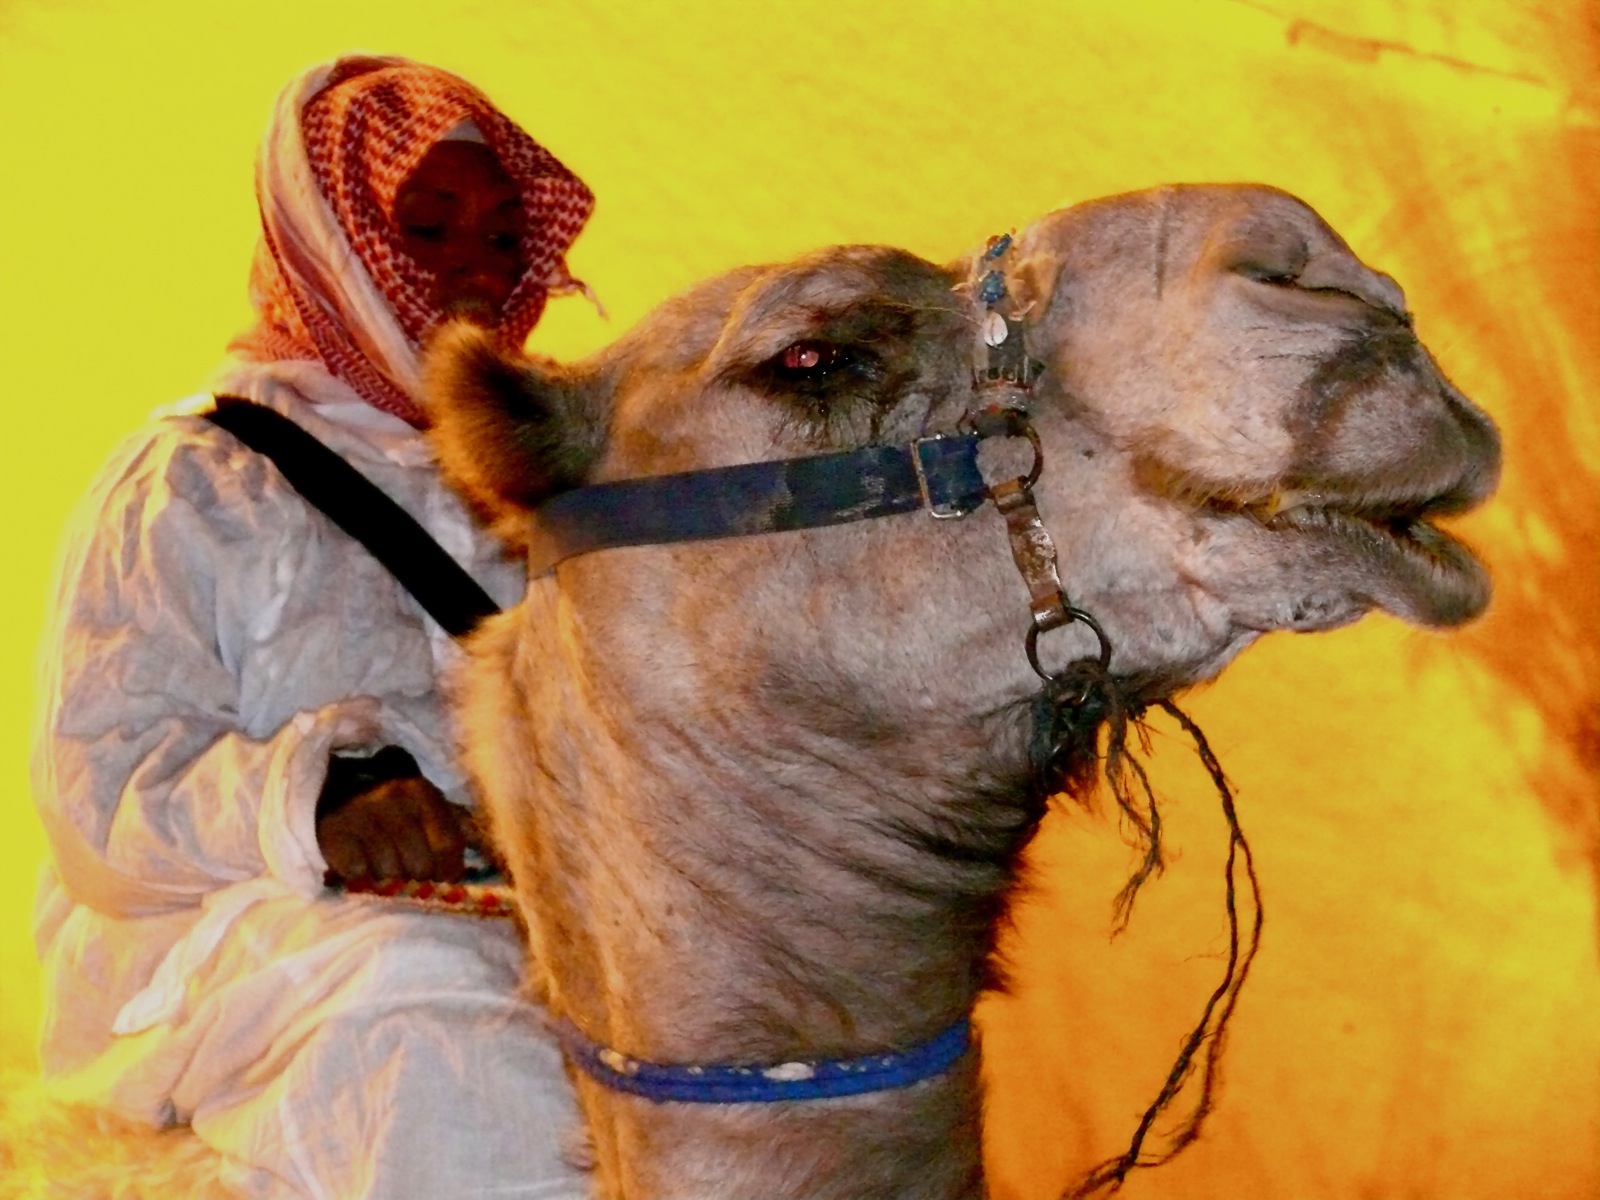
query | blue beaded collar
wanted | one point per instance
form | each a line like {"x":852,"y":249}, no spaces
{"x":811,"y":1080}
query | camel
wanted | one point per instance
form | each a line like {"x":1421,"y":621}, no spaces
{"x":762,"y":753}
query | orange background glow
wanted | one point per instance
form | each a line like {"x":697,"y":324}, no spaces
{"x":1425,"y":1015}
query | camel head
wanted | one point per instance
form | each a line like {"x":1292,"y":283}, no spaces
{"x":763,"y":795}
{"x":1241,"y":430}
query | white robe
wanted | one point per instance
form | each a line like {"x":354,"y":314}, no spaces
{"x":213,"y":640}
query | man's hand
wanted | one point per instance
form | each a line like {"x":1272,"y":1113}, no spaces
{"x":395,"y":829}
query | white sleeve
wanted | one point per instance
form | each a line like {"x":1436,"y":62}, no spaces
{"x":152,"y":791}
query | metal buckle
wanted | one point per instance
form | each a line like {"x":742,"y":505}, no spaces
{"x":939,"y":512}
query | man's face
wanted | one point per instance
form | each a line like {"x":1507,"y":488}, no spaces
{"x":460,"y":217}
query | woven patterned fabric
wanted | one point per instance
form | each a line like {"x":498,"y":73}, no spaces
{"x":330,"y":282}
{"x":463,"y":899}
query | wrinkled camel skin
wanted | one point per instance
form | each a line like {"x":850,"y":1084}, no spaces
{"x":763,"y":797}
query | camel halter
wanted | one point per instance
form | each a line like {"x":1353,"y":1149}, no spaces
{"x":937,"y":475}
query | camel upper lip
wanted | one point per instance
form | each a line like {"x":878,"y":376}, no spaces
{"x":1390,"y":510}
{"x":1407,"y":520}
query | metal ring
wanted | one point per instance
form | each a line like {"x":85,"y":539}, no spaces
{"x":968,"y":425}
{"x":1032,"y":435}
{"x":1074,"y":615}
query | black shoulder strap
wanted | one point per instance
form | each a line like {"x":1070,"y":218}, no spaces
{"x":357,"y":506}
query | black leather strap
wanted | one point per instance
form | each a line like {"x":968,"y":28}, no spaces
{"x":357,"y":506}
{"x":937,"y":474}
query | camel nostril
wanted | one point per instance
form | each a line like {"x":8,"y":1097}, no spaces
{"x":1272,"y":276}
{"x":1344,"y":273}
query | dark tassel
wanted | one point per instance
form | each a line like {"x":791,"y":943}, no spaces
{"x":1086,"y":698}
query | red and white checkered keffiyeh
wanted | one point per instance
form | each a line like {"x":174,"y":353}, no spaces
{"x":330,"y":282}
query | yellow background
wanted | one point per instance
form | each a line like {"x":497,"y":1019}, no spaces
{"x":1425,"y":1016}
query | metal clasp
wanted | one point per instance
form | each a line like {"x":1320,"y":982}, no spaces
{"x":939,"y":512}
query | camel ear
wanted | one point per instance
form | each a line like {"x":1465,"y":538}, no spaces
{"x":509,"y":431}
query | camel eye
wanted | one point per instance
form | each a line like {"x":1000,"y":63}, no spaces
{"x":820,"y":377}
{"x":801,"y":357}
{"x":810,"y":359}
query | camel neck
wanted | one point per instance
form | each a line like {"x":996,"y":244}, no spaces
{"x":825,"y":918}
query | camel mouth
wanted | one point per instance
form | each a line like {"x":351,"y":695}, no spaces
{"x":1431,"y":576}
{"x":1405,"y":531}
